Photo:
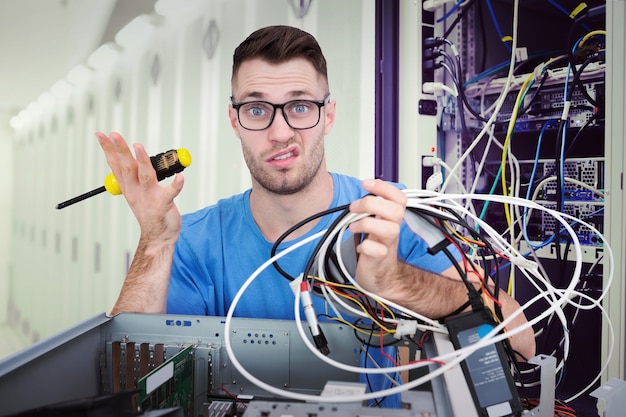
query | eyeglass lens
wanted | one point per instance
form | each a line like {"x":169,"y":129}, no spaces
{"x":299,"y":114}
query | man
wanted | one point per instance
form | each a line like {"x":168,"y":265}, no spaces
{"x":281,"y":111}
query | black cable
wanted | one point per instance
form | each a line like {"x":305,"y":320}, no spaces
{"x":587,"y":17}
{"x":569,"y":148}
{"x":537,"y":91}
{"x":490,"y":252}
{"x":460,"y":84}
{"x":559,"y":180}
{"x":309,"y":265}
{"x":577,"y":81}
{"x":293,"y":229}
{"x":483,"y":34}
{"x":474,"y":299}
{"x":458,"y":17}
{"x":426,"y":215}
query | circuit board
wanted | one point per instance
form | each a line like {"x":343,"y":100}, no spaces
{"x":170,"y":384}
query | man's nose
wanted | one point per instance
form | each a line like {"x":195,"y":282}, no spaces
{"x":279,"y":128}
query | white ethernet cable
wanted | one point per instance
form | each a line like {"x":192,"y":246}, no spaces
{"x":501,"y":98}
{"x":307,"y":397}
{"x":341,"y":227}
{"x":552,"y":295}
{"x":557,"y":298}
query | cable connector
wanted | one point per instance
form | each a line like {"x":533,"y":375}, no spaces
{"x":430,"y":54}
{"x":431,"y":161}
{"x":405,"y":328}
{"x":311,"y":317}
{"x":430,"y":5}
{"x":434,"y":182}
{"x":434,"y":42}
{"x":434,"y":87}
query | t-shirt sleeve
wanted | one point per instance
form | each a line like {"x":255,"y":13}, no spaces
{"x":415,"y":242}
{"x":186,"y":295}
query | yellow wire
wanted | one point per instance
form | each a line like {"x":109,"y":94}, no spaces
{"x":347,"y":323}
{"x":505,"y":148}
{"x":471,"y":242}
{"x":357,"y":302}
{"x":507,"y":140}
{"x":489,"y":305}
{"x":590,"y":35}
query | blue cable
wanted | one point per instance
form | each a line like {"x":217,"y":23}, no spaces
{"x":532,"y":178}
{"x":558,"y":6}
{"x":452,"y":10}
{"x":495,"y":22}
{"x":566,"y":12}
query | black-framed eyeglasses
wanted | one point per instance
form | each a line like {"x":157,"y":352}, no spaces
{"x":299,"y":114}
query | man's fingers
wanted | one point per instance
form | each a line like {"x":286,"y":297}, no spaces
{"x":176,"y":186}
{"x":383,"y":230}
{"x":107,"y":146}
{"x":385,"y":190}
{"x":145,"y":171}
{"x":387,"y":201}
{"x":370,"y":248}
{"x":134,"y":167}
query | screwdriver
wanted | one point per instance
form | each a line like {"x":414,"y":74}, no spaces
{"x":165,"y":164}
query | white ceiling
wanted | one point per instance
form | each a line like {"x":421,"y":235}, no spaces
{"x":42,"y":40}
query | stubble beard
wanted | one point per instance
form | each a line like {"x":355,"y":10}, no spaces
{"x":283,"y":182}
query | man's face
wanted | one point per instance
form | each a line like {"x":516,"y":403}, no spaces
{"x":281,"y":159}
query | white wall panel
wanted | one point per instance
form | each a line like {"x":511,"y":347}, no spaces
{"x":71,"y":262}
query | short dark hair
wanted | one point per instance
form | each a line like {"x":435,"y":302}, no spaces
{"x":278,"y":44}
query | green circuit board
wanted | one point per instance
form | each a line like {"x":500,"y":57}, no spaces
{"x":170,"y":385}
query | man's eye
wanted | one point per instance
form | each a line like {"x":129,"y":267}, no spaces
{"x":255,"y":110}
{"x":301,"y":107}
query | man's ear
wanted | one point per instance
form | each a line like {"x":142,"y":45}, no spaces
{"x":329,"y":120}
{"x":234,"y":123}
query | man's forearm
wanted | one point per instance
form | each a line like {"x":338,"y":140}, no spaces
{"x":438,"y":296}
{"x":145,"y":287}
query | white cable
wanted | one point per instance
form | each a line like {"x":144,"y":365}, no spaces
{"x":305,"y":397}
{"x":341,"y":227}
{"x":501,"y":98}
{"x":429,"y":200}
{"x":435,"y":87}
{"x":539,"y":188}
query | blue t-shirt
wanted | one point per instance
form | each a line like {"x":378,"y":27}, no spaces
{"x":221,"y":246}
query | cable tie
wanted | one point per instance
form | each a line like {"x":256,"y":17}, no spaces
{"x":524,"y":263}
{"x":577,"y":10}
{"x":566,"y":106}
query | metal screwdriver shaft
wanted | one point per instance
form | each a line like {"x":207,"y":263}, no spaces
{"x":81,"y":197}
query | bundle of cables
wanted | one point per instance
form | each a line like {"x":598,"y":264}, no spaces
{"x":328,"y":274}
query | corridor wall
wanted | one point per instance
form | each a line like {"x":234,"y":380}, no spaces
{"x":164,"y":82}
